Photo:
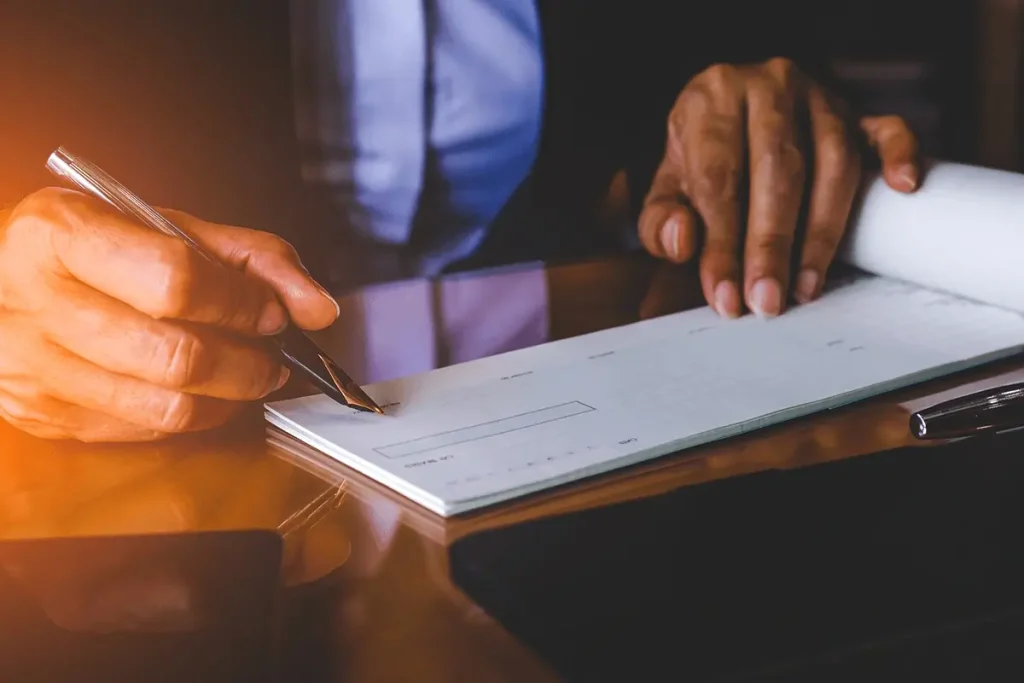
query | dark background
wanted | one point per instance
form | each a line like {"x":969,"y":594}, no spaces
{"x":952,"y":68}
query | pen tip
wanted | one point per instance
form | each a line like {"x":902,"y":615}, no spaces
{"x":353,"y":394}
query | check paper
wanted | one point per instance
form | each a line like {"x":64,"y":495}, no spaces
{"x":489,"y":430}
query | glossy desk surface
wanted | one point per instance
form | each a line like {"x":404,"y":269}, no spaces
{"x":368,"y":595}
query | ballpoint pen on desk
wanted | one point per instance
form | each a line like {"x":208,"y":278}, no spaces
{"x":991,"y":410}
{"x":299,"y":351}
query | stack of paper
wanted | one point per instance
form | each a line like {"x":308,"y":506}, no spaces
{"x":489,"y":430}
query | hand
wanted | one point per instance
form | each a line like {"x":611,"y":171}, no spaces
{"x":113,"y":332}
{"x":729,"y":114}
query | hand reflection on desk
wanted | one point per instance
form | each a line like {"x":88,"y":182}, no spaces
{"x":106,"y":592}
{"x":224,"y":482}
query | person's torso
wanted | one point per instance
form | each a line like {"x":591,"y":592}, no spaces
{"x":418,"y":119}
{"x":202,"y":117}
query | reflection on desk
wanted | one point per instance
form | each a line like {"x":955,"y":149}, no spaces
{"x":368,"y":589}
{"x":140,"y":608}
{"x":804,"y":572}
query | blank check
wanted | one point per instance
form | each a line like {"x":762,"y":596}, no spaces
{"x":477,"y":433}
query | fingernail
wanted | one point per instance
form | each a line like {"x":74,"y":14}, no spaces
{"x":727,"y":299}
{"x":670,"y":238}
{"x":273,"y":320}
{"x":766,"y":298}
{"x":283,"y":379}
{"x":337,"y":308}
{"x":906,"y":177}
{"x":806,"y":285}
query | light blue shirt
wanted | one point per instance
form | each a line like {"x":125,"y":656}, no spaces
{"x":420,"y":117}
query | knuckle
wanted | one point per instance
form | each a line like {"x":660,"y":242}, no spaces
{"x":772,"y":101}
{"x":28,"y":405}
{"x":823,"y":243}
{"x":179,"y":415}
{"x":57,"y":207}
{"x":179,"y":359}
{"x":717,"y":181}
{"x":24,"y":421}
{"x":718,"y":76}
{"x":42,"y":201}
{"x":714,"y":83}
{"x":783,"y":68}
{"x":693,"y":107}
{"x":721,"y":246}
{"x":47,"y":223}
{"x":836,"y":158}
{"x":676,"y":130}
{"x":278,"y":246}
{"x":782,"y":161}
{"x":690,"y":100}
{"x":18,"y":412}
{"x":31,"y":218}
{"x":773,"y":245}
{"x":174,"y":279}
{"x":834,"y":152}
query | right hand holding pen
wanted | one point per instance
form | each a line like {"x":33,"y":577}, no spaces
{"x":113,"y":332}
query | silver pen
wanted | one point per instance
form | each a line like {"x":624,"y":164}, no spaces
{"x":990,"y":410}
{"x":299,"y":351}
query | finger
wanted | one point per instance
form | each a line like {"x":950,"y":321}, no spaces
{"x":836,"y":175}
{"x":178,"y":356}
{"x":711,"y":141}
{"x":668,"y":227}
{"x":74,"y":380}
{"x":158,"y":275}
{"x":777,"y":178}
{"x":48,"y":418}
{"x":272,"y":261}
{"x":897,"y":148}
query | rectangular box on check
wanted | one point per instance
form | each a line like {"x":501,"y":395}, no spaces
{"x":484,"y":430}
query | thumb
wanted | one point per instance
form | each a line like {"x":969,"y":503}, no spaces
{"x":668,"y":225}
{"x":896,"y":146}
{"x":269,"y":259}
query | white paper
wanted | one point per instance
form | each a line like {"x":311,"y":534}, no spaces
{"x":962,"y":232}
{"x":480,"y":432}
{"x":485,"y":431}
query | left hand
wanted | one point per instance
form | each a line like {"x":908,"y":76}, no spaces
{"x":733,"y":118}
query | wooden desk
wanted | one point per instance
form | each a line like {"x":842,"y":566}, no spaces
{"x":368,"y":593}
